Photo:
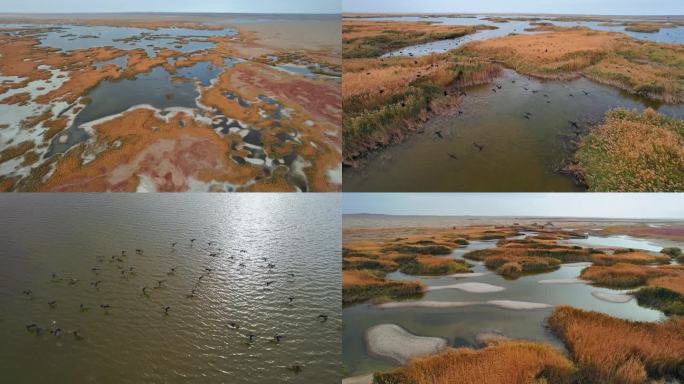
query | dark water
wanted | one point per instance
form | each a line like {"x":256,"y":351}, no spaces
{"x":135,"y":342}
{"x":519,"y":154}
{"x":156,"y":88}
{"x":460,"y":326}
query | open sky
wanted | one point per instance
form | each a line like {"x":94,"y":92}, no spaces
{"x":201,"y":6}
{"x":606,"y":205}
{"x":593,"y":7}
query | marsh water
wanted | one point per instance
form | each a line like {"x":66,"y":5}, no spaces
{"x":134,"y":341}
{"x":518,"y":153}
{"x":665,"y":35}
{"x":460,"y":326}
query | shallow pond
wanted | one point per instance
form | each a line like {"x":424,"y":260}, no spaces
{"x":518,"y":153}
{"x":460,"y":326}
{"x":665,"y":35}
{"x":157,"y":88}
{"x":134,"y":341}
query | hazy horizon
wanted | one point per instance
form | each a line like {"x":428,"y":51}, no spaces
{"x":657,"y":206}
{"x":173,"y":6}
{"x":569,"y":7}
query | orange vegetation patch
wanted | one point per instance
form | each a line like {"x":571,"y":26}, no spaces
{"x":363,"y":285}
{"x":514,"y":362}
{"x":621,"y":275}
{"x":615,"y":351}
{"x":544,"y":54}
{"x":673,"y":280}
{"x":630,"y":257}
{"x":140,"y":144}
{"x":316,"y":114}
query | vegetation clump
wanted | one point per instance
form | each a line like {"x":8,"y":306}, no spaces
{"x":632,"y":151}
{"x":634,"y":257}
{"x":662,"y":299}
{"x":363,"y":285}
{"x":430,"y":265}
{"x":672,"y":251}
{"x":514,"y":362}
{"x":616,"y":351}
{"x":620,"y":275}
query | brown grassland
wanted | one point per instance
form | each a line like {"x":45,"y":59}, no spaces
{"x":514,"y":362}
{"x":633,"y":152}
{"x":654,"y":70}
{"x":621,"y":275}
{"x":611,"y":350}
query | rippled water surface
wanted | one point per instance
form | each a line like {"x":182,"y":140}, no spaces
{"x":134,"y":341}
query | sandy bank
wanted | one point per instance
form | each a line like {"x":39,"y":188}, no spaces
{"x":612,"y":297}
{"x":506,"y":304}
{"x":394,"y":342}
{"x":469,"y":287}
{"x":363,"y":379}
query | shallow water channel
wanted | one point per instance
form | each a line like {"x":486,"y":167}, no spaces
{"x":460,"y":326}
{"x":665,"y":35}
{"x":518,"y":153}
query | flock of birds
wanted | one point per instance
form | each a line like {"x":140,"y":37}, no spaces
{"x":526,"y":115}
{"x":129,"y":271}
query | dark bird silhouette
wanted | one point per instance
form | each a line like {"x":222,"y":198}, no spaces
{"x":270,"y":265}
{"x":571,"y":95}
{"x":251,"y":337}
{"x":573,"y":124}
{"x":439,"y":134}
{"x":268,"y":283}
{"x":291,"y":299}
{"x":291,"y":274}
{"x":192,"y":240}
{"x":139,"y":251}
{"x":498,"y":86}
{"x":77,"y":335}
{"x":527,"y":117}
{"x":322,"y":318}
{"x":166,"y":310}
{"x":160,"y":283}
{"x":95,"y":283}
{"x":586,"y":93}
{"x":27,"y":292}
{"x":453,"y":156}
{"x":105,"y":306}
{"x":173,"y":245}
{"x":460,"y":112}
{"x":296,"y":368}
{"x":234,"y":325}
{"x":30,"y":327}
{"x":171,"y":271}
{"x":276,"y":339}
{"x":95,"y":270}
{"x":52,"y":303}
{"x":144,"y":290}
{"x":478,"y":146}
{"x":493,"y":89}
